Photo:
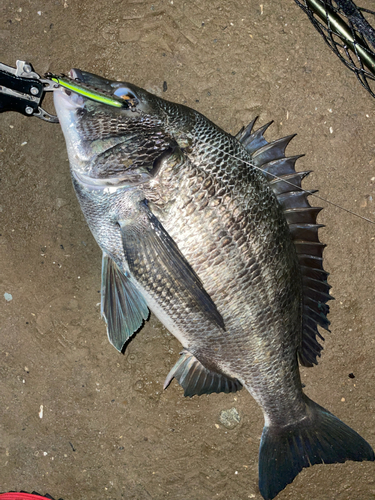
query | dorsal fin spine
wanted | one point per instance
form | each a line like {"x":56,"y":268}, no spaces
{"x":301,"y":218}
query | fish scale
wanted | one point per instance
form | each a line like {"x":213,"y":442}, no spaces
{"x":194,"y":225}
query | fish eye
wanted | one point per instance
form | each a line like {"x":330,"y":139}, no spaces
{"x":125,"y":93}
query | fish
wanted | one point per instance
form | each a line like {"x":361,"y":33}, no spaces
{"x":213,"y":234}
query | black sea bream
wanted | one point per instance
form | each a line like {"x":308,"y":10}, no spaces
{"x":226,"y":255}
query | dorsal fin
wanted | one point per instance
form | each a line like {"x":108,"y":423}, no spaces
{"x":252,"y":141}
{"x":271,"y":151}
{"x":301,"y":217}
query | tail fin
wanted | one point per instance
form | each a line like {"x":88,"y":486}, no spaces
{"x":319,"y":438}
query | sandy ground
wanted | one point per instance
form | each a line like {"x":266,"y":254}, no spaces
{"x":79,"y":420}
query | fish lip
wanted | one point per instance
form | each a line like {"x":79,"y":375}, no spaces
{"x":67,"y":98}
{"x":76,"y":74}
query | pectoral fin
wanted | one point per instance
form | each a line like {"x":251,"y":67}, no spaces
{"x":157,"y":264}
{"x":196,"y":379}
{"x":123,"y":307}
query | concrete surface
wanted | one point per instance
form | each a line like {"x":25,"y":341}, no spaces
{"x":79,"y":420}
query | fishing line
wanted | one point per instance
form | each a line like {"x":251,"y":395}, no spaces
{"x":299,"y":188}
{"x":106,"y":98}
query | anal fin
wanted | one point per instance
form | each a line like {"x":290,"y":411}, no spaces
{"x":196,"y":379}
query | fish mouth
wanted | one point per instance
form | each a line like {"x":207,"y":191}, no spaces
{"x":66,"y":98}
{"x":94,"y":81}
{"x":76,"y":74}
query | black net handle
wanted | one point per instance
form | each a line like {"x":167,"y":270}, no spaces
{"x":348,"y":34}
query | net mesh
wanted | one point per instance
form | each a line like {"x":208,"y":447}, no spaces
{"x":347,"y":29}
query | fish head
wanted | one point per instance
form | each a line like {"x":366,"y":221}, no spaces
{"x":109,"y":143}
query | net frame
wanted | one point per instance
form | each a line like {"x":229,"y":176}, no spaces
{"x":348,"y":33}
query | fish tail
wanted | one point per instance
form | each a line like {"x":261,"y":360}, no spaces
{"x":319,"y":438}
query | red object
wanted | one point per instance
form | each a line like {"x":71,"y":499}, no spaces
{"x":20,"y":496}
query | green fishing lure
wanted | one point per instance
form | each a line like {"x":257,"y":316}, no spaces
{"x":89,"y":92}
